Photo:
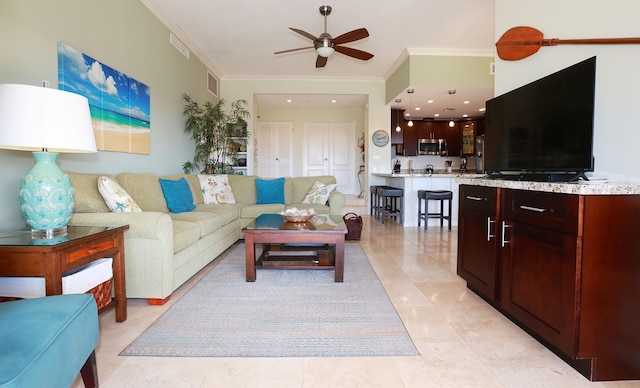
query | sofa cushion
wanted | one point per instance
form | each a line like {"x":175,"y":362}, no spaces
{"x":116,"y":198}
{"x":216,"y":189}
{"x":228,"y":212}
{"x":145,"y":190}
{"x":319,"y":193}
{"x":194,"y":185}
{"x":184,"y":234}
{"x":207,"y":222}
{"x":178,"y":195}
{"x":87,"y":198}
{"x":253,"y":211}
{"x":302,"y":184}
{"x":270,"y":191}
{"x":244,"y":188}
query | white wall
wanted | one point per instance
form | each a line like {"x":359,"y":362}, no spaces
{"x":617,"y":128}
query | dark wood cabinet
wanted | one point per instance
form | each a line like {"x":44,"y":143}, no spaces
{"x":424,"y":129}
{"x":567,"y":269}
{"x":410,"y":139}
{"x":479,"y":217}
{"x":397,"y":119}
{"x":539,"y":260}
{"x":429,"y":129}
{"x":453,"y":136}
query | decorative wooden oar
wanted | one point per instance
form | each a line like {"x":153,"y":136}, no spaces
{"x":520,"y":42}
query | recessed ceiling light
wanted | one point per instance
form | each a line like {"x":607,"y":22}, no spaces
{"x":407,"y":114}
{"x":482,"y":109}
{"x":333,"y":101}
{"x":465,"y":102}
{"x":289,"y":100}
{"x":429,"y":101}
{"x":436,"y":115}
{"x":417,"y":108}
{"x":465,"y":115}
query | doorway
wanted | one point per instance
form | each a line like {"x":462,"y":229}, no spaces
{"x":329,"y":149}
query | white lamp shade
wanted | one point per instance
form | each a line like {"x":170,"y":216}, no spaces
{"x":34,"y":118}
{"x":325,"y":51}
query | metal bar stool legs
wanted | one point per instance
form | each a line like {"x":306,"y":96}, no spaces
{"x":373,"y":201}
{"x":391,"y":203}
{"x":434,"y":195}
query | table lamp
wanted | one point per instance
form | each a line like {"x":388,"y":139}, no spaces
{"x":45,"y":121}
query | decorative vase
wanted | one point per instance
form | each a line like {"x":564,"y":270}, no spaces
{"x":46,"y":196}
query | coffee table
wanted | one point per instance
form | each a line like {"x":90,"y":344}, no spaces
{"x":300,"y":243}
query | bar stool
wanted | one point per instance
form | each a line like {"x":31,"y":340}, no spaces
{"x":434,"y":195}
{"x":390,"y":203}
{"x":373,"y":200}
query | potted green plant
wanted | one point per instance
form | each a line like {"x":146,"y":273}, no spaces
{"x":218,"y":135}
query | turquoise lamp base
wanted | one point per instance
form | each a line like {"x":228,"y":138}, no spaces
{"x":46,"y":197}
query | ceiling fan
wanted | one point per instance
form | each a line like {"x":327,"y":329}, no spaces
{"x":325,"y":45}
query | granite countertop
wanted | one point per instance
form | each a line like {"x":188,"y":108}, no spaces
{"x":582,"y":188}
{"x":423,"y":174}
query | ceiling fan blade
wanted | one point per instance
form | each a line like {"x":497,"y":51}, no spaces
{"x":351,"y":36}
{"x":321,"y":61}
{"x":295,"y":49}
{"x":355,"y":53}
{"x":303,"y":33}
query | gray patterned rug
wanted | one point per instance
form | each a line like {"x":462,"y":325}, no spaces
{"x":285,"y":313}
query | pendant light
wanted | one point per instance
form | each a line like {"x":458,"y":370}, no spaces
{"x":410,"y":91}
{"x":398,"y":128}
{"x":451,"y":93}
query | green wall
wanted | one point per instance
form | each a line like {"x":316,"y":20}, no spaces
{"x":439,"y":70}
{"x":122,"y":34}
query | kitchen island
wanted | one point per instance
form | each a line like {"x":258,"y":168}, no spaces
{"x":419,"y":180}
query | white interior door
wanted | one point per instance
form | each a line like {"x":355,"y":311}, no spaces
{"x":274,"y":149}
{"x":329,"y":149}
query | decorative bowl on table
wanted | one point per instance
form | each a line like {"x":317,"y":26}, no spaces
{"x":296,"y":215}
{"x":298,"y":226}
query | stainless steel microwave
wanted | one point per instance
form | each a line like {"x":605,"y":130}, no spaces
{"x":432,"y":146}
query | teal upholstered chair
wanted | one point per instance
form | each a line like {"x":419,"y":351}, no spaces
{"x":46,"y":342}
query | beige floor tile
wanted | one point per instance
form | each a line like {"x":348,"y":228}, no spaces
{"x":462,"y":340}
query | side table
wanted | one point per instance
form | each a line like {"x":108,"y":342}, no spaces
{"x":20,"y":255}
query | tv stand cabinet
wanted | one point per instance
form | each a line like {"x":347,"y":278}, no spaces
{"x":563,"y":262}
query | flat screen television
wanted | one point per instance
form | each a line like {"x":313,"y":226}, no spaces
{"x":543,"y":131}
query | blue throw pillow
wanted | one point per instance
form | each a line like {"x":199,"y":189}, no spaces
{"x":270,"y":191}
{"x":178,"y":195}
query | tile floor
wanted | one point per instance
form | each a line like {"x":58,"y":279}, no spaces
{"x":463,"y":341}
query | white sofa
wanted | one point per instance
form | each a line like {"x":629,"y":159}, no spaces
{"x":162,"y":249}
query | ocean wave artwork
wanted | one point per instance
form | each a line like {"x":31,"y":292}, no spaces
{"x":119,"y":104}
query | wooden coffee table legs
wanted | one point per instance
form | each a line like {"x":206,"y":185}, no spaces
{"x":253,"y":237}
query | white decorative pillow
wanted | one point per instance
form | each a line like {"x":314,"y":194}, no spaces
{"x":116,"y":198}
{"x":216,"y":189}
{"x":319,"y":193}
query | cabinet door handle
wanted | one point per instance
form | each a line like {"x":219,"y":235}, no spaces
{"x":533,"y":209}
{"x":474,"y":198}
{"x":489,"y":235}
{"x":503,"y":240}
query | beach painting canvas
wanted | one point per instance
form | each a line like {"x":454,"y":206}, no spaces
{"x":120,"y":105}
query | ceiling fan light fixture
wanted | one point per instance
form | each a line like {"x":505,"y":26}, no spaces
{"x":324,"y":51}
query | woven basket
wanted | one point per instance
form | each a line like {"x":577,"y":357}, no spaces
{"x":102,"y":293}
{"x":354,"y":226}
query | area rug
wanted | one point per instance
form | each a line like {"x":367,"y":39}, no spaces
{"x":285,"y":313}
